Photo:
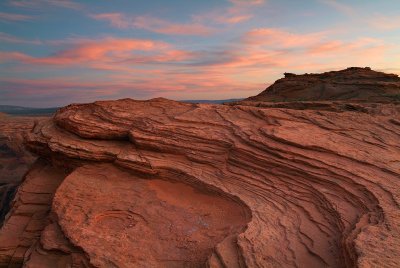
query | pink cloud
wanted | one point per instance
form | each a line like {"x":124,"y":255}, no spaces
{"x":152,"y":24}
{"x":239,"y":11}
{"x":149,"y":68}
{"x":44,"y":3}
{"x":117,"y":20}
{"x":13,"y":56}
{"x":280,"y":38}
{"x":337,"y":46}
{"x":166,"y":27}
{"x":108,"y":49}
{"x":248,"y":2}
{"x":7,"y":17}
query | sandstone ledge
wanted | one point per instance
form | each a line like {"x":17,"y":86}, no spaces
{"x":315,"y":188}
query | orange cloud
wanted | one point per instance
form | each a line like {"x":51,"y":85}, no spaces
{"x":149,"y":68}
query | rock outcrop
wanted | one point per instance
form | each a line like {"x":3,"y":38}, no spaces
{"x":161,"y":183}
{"x":14,"y":159}
{"x":356,"y":84}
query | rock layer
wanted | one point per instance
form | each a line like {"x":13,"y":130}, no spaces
{"x":302,"y":188}
{"x":361,"y":84}
{"x":14,"y":159}
{"x":29,"y":214}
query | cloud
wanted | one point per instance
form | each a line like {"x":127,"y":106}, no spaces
{"x":13,"y":39}
{"x":104,"y":50}
{"x":152,"y":24}
{"x":384,"y":23}
{"x":278,"y":38}
{"x":166,"y":27}
{"x":13,"y":56}
{"x":44,"y":3}
{"x":238,"y":11}
{"x":247,"y":2}
{"x":142,"y":68}
{"x":337,"y":46}
{"x":117,"y":20}
{"x":12,"y":17}
{"x":340,"y":7}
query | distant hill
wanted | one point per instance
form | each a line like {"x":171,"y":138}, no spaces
{"x":18,"y":110}
{"x":26,"y":111}
{"x":211,"y":101}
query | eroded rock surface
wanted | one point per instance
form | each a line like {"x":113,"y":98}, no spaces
{"x":161,"y":183}
{"x":14,"y":159}
{"x":122,"y":220}
{"x":29,"y":214}
{"x":320,"y":188}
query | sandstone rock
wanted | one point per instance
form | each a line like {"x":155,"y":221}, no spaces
{"x":29,"y":213}
{"x":161,"y":183}
{"x":305,"y":188}
{"x":14,"y":159}
{"x":362,"y":84}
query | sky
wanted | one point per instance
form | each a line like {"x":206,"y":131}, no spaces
{"x":56,"y":52}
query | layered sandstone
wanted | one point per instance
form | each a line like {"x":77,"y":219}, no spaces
{"x":161,"y":183}
{"x":316,"y":188}
{"x":356,"y":84}
{"x":14,"y":159}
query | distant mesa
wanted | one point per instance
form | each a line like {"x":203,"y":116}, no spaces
{"x":353,"y":83}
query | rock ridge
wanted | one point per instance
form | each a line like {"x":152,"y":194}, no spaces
{"x":354,"y":83}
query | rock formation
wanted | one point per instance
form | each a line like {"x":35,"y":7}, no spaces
{"x":355,"y":84}
{"x":14,"y":159}
{"x":161,"y":183}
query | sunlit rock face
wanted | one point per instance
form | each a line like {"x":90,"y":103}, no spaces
{"x":161,"y":183}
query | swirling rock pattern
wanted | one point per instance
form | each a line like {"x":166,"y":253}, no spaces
{"x":303,"y":187}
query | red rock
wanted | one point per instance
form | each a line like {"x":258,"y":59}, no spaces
{"x":14,"y":159}
{"x":28,"y":217}
{"x":314,"y":181}
{"x":166,"y":184}
{"x":362,"y":84}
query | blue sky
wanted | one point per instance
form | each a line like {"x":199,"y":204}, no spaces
{"x":54,"y":52}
